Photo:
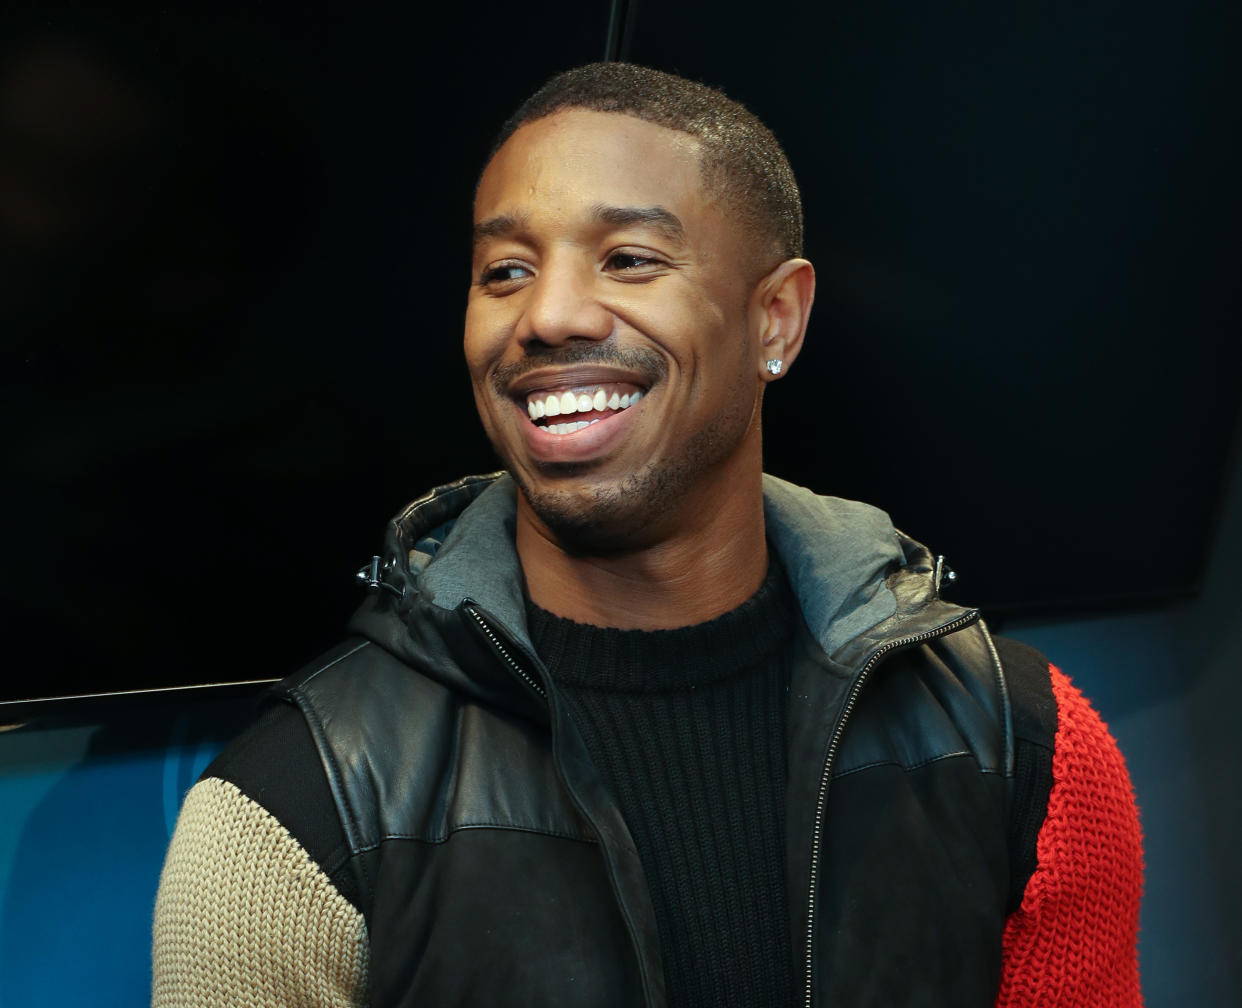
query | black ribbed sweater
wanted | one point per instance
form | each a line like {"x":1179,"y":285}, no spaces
{"x":687,"y":729}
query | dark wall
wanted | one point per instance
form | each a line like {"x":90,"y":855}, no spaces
{"x":233,"y":265}
{"x":1023,"y":219}
{"x":233,"y":247}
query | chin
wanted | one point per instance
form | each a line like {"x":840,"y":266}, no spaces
{"x":590,"y":513}
{"x":600,"y":518}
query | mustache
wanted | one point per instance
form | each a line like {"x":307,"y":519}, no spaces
{"x":641,"y":360}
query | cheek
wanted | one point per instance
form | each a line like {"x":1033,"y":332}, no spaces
{"x":481,"y":407}
{"x":476,"y":364}
{"x":482,"y":347}
{"x":688,"y":328}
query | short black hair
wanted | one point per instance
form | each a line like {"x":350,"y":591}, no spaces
{"x":741,"y":158}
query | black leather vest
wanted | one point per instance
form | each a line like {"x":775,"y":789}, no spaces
{"x":493,"y":868}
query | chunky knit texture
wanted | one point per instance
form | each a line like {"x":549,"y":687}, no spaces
{"x":687,"y":729}
{"x":244,"y":918}
{"x":1071,"y":943}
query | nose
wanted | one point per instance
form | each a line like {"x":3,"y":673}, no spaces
{"x":563,"y":304}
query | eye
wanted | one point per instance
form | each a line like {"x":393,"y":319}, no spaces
{"x":503,"y":274}
{"x":634,"y":265}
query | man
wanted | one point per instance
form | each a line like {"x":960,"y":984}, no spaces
{"x":634,"y":723}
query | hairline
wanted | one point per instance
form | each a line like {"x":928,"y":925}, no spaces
{"x":771,"y":242}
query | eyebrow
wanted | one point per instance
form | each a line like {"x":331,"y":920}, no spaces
{"x":657,"y":217}
{"x":499,"y":226}
{"x":661,"y":219}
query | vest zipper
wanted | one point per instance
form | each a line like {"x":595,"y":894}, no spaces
{"x":834,"y":744}
{"x":538,"y":687}
{"x":829,"y":757}
{"x":492,"y":636}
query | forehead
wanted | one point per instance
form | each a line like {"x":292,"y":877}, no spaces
{"x":579,"y":156}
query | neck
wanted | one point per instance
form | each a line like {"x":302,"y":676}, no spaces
{"x":705,"y":564}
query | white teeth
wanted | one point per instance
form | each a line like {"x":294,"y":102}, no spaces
{"x":578,"y":402}
{"x":569,"y":428}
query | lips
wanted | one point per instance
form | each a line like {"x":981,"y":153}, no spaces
{"x":568,"y":397}
{"x":574,"y":417}
{"x":576,"y":403}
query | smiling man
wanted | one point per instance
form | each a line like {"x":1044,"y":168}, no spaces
{"x":618,"y":332}
{"x":634,"y":723}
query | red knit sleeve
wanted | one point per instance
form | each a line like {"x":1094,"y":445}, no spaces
{"x":1073,"y":941}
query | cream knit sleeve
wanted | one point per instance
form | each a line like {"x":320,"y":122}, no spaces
{"x":245,"y":918}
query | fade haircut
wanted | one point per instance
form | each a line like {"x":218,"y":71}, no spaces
{"x":741,"y":159}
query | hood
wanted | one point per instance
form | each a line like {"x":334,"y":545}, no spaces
{"x":859,"y":581}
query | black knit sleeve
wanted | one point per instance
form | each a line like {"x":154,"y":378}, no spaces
{"x":275,"y":764}
{"x":1034,"y":730}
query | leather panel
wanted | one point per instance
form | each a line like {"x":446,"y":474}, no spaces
{"x":426,"y":761}
{"x":912,"y":908}
{"x":927,"y":703}
{"x":498,"y":918}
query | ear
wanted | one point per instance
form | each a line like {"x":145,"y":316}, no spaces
{"x":781,"y":307}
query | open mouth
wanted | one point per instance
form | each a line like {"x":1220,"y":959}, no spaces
{"x":570,"y":410}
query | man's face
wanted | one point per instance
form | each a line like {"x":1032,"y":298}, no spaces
{"x":607,"y":328}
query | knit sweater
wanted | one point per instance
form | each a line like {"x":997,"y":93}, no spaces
{"x":687,"y":727}
{"x":1071,"y":942}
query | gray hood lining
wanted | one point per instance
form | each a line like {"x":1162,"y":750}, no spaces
{"x":837,"y":554}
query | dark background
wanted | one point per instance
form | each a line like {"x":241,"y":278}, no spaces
{"x":233,"y":264}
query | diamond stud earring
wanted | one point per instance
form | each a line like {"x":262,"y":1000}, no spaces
{"x":774,"y":366}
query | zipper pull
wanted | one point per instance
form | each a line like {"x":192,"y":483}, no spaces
{"x":371,"y":576}
{"x":945,"y":576}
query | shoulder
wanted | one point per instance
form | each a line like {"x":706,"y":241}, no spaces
{"x":275,"y":767}
{"x":1056,"y":727}
{"x":248,"y":895}
{"x":1028,"y":682}
{"x":307,"y":755}
{"x":282,"y":766}
{"x":1091,"y":784}
{"x":1072,"y":940}
{"x":255,"y":888}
